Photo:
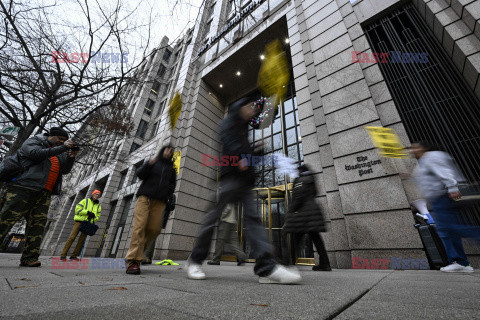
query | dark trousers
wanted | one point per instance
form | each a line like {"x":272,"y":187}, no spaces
{"x":148,"y":254}
{"x":319,"y":245}
{"x":451,"y":231}
{"x":18,"y":203}
{"x":236,"y":190}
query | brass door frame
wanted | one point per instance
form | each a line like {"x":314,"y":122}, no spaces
{"x":270,"y":194}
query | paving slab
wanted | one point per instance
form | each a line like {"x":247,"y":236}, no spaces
{"x":231,"y":292}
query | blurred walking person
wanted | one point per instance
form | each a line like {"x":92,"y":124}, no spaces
{"x":237,"y":184}
{"x":158,"y":183}
{"x":227,"y":236}
{"x":437,"y":177}
{"x":45,"y":158}
{"x":306,"y":217}
{"x":85,"y":210}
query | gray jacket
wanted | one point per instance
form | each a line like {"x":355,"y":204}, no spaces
{"x":34,"y":156}
{"x":436,"y":174}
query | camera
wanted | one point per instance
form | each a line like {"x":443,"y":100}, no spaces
{"x":75,"y":148}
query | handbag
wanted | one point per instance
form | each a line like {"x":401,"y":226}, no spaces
{"x":169,"y":207}
{"x":87,"y":227}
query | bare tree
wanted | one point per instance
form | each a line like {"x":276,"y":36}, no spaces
{"x":57,"y":70}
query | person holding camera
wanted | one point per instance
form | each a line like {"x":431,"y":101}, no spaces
{"x":86,"y":210}
{"x":44,"y":159}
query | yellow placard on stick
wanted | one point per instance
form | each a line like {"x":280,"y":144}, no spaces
{"x":175,"y":106}
{"x":274,"y":75}
{"x":387,"y":142}
{"x":177,"y":156}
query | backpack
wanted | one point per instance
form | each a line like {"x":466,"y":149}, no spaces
{"x":11,"y":168}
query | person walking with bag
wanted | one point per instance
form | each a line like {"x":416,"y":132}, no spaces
{"x":86,"y":210}
{"x":437,"y":177}
{"x":158,"y":183}
{"x":306,"y":217}
{"x":169,"y":207}
{"x":237,"y":184}
{"x":44,"y":158}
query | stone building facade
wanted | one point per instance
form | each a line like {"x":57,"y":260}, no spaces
{"x":337,"y":88}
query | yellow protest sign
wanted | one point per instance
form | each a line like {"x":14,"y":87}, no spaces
{"x":175,"y":106}
{"x":387,"y":142}
{"x":274,"y":75}
{"x":177,"y":156}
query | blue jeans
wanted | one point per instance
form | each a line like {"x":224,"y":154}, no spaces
{"x":232,"y":191}
{"x":451,"y":231}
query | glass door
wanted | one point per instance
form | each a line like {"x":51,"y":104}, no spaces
{"x":271,"y":205}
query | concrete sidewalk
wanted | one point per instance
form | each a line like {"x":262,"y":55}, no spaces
{"x":103,"y":291}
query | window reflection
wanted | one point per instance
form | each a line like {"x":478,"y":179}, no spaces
{"x":272,"y":138}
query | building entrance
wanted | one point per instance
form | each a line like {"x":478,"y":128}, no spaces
{"x":271,"y":204}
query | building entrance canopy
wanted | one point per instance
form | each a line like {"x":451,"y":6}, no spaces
{"x":237,"y":75}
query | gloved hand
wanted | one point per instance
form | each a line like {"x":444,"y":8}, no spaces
{"x":91,"y":215}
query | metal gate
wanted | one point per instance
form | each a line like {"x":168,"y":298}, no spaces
{"x":432,"y":98}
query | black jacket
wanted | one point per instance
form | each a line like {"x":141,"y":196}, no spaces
{"x":159,"y":179}
{"x":304,"y":214}
{"x":234,"y":137}
{"x":35,"y":154}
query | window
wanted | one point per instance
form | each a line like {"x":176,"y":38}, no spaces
{"x":207,"y":28}
{"x":274,"y":136}
{"x":123,"y":176}
{"x":115,"y":153}
{"x":135,"y":178}
{"x":211,"y":10}
{"x":162,"y":106}
{"x":121,"y":227}
{"x":149,"y":107}
{"x":142,"y":129}
{"x":161,"y":71}
{"x":154,"y":130}
{"x":230,"y":6}
{"x":166,"y":55}
{"x":134,"y":147}
{"x":105,"y":159}
{"x":155,"y":87}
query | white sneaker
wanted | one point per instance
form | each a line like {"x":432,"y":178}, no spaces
{"x":455,"y":267}
{"x":282,"y":275}
{"x":195,"y":272}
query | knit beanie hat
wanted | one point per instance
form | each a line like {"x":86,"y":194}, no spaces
{"x":56,"y":131}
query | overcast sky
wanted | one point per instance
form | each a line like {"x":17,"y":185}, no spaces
{"x":158,"y":18}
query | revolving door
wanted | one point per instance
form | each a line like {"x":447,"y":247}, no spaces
{"x":271,"y":205}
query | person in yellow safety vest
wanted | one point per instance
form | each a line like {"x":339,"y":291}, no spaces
{"x":87,"y":209}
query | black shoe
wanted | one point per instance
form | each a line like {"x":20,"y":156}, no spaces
{"x":146,"y":261}
{"x":63,"y":258}
{"x":213,"y":263}
{"x":321,"y":268}
{"x":133,"y":268}
{"x":32,"y":264}
{"x":240,"y":262}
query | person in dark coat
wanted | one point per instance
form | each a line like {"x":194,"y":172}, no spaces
{"x":159,"y":180}
{"x":237,"y":182}
{"x":306,"y":217}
